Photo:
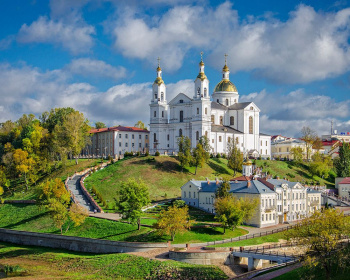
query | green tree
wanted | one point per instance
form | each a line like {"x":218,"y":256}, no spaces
{"x":204,"y":141}
{"x":100,"y":125}
{"x":320,"y":234}
{"x":140,"y":124}
{"x":297,"y":154}
{"x":223,"y":190}
{"x":228,"y":212}
{"x":235,"y":157}
{"x":198,"y":156}
{"x":179,"y":203}
{"x":133,"y":195}
{"x":249,"y":207}
{"x":173,"y":220}
{"x":342,"y":163}
{"x":321,"y":165}
{"x":309,"y":136}
{"x":185,"y":157}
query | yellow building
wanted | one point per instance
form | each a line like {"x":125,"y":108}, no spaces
{"x":282,"y":148}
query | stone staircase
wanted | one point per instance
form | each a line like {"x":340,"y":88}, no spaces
{"x":74,"y":186}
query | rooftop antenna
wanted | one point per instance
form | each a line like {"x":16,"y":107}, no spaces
{"x":226,"y":55}
{"x":158,"y":61}
{"x":201,"y":56}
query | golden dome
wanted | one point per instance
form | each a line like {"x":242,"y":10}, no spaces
{"x":247,"y":161}
{"x":202,"y":76}
{"x":158,"y":81}
{"x":201,"y":63}
{"x":225,"y":69}
{"x":159,"y":69}
{"x":225,"y":85}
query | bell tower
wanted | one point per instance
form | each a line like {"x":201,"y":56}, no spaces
{"x":201,"y":84}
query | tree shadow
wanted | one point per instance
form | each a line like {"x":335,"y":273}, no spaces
{"x":218,"y":168}
{"x":25,"y":221}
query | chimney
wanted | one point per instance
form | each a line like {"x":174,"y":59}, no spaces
{"x":248,"y":184}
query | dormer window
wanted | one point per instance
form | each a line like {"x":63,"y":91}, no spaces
{"x":181,"y":101}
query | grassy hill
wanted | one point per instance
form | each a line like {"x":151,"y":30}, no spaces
{"x":162,"y":174}
{"x":293,"y":172}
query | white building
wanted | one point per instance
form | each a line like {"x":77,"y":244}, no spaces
{"x":115,"y":141}
{"x":220,"y":117}
{"x":280,"y":201}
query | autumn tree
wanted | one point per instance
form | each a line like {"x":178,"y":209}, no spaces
{"x":235,"y":157}
{"x":228,"y":212}
{"x":321,"y":234}
{"x":173,"y":220}
{"x":249,"y":207}
{"x":205,"y":142}
{"x":133,"y":195}
{"x":342,"y":163}
{"x":140,"y":124}
{"x":198,"y":157}
{"x":223,"y":190}
{"x":309,"y":136}
{"x":321,"y":165}
{"x":185,"y":156}
{"x":297,"y":154}
{"x":24,"y":164}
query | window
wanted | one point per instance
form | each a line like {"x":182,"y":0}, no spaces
{"x":197,"y":135}
{"x":184,"y":194}
{"x":205,"y":92}
{"x":220,"y":139}
{"x":180,"y":132}
{"x":232,"y":120}
{"x":155,"y":96}
{"x":206,"y":110}
{"x":126,"y":136}
{"x":266,"y":143}
{"x":181,"y":116}
{"x":120,"y":144}
{"x":212,"y":119}
{"x":126,"y":144}
{"x":120,"y":136}
{"x":140,"y":136}
{"x":162,"y":96}
{"x":194,"y":195}
{"x":250,"y":125}
{"x":139,"y":145}
{"x":212,"y":140}
{"x":155,"y":137}
{"x":206,"y":134}
{"x":226,"y":102}
{"x":155,"y":114}
{"x":146,"y":136}
{"x":229,"y":139}
{"x":168,"y":137}
{"x":206,"y":200}
{"x":197,"y":111}
{"x":279,"y":150}
{"x":181,"y":101}
{"x":133,"y":145}
{"x":260,"y":143}
{"x":217,"y":100}
{"x":221,"y":120}
{"x":189,"y":194}
{"x":146,"y":145}
{"x":162,"y":114}
{"x":132,"y":136}
{"x":262,"y":217}
{"x":251,"y":108}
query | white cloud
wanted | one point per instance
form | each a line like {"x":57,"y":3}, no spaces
{"x":96,"y":68}
{"x":75,"y":37}
{"x":308,"y":46}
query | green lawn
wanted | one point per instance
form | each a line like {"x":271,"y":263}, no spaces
{"x":294,"y":172}
{"x":47,"y":263}
{"x":162,"y":175}
{"x":254,"y":241}
{"x":33,"y":218}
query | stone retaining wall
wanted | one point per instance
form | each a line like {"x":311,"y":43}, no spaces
{"x":206,"y":258}
{"x":72,"y":243}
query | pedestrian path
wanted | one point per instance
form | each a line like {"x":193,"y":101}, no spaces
{"x":74,"y":186}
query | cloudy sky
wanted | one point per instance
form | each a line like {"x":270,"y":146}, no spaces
{"x":292,"y":58}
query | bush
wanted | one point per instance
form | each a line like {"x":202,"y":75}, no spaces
{"x":223,"y":155}
{"x":211,"y":155}
{"x":147,"y":154}
{"x":179,"y":203}
{"x":217,"y":155}
{"x":137,"y":153}
{"x":259,"y":158}
{"x":157,"y":154}
{"x":268,"y":158}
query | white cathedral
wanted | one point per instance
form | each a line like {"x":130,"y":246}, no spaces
{"x":220,"y":117}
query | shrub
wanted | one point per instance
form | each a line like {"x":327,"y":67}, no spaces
{"x":157,"y":154}
{"x":223,"y":155}
{"x":217,"y":155}
{"x":259,"y":158}
{"x":179,"y":203}
{"x":137,"y":153}
{"x":268,"y":158}
{"x":211,"y":155}
{"x":147,"y":154}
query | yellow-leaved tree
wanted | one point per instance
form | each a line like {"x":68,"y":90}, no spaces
{"x":173,"y":220}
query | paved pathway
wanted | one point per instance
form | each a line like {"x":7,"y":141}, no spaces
{"x":74,"y":186}
{"x":277,"y":273}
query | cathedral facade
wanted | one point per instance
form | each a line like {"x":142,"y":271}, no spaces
{"x":220,"y":117}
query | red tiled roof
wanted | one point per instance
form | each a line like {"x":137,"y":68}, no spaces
{"x":118,"y":128}
{"x":266,"y":183}
{"x":329,"y":143}
{"x":346,"y":180}
{"x":242,"y":178}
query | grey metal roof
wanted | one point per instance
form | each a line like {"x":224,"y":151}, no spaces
{"x":221,"y":128}
{"x":279,"y":182}
{"x":256,"y":187}
{"x":263,"y":134}
{"x":239,"y":106}
{"x":215,"y":105}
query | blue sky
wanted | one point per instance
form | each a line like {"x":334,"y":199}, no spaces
{"x":291,"y":58}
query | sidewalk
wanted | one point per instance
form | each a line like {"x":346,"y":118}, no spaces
{"x":278,"y":272}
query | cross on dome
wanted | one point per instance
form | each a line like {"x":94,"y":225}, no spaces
{"x":158,"y":68}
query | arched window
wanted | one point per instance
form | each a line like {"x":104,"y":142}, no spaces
{"x":198,"y":90}
{"x":221,"y":120}
{"x":251,"y":108}
{"x":206,"y":110}
{"x":226,"y":102}
{"x":235,"y":100}
{"x":250,"y":125}
{"x":162,"y":96}
{"x":155,"y":96}
{"x":217,"y":100}
{"x":197,"y":111}
{"x":155,"y":137}
{"x":155,"y":114}
{"x":197,"y":135}
{"x":162,"y":114}
{"x":206,"y":134}
{"x":180,"y":132}
{"x":184,"y":194}
{"x":212,"y":119}
{"x":232,"y":120}
{"x":181,"y":116}
{"x":205,"y":92}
